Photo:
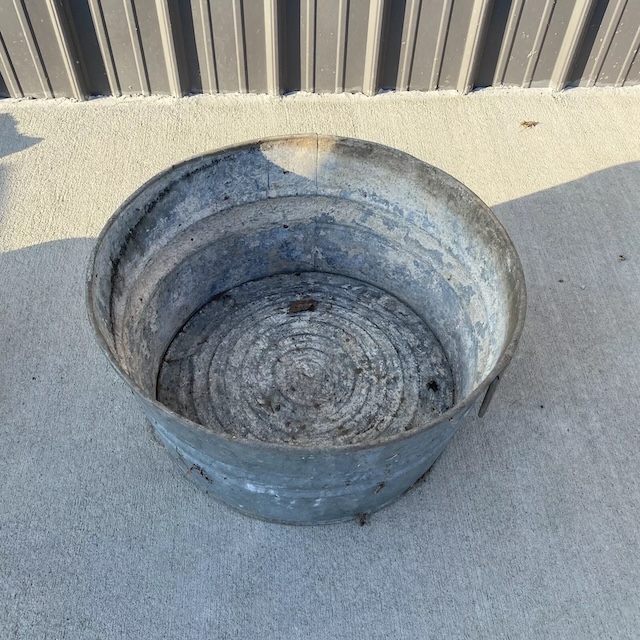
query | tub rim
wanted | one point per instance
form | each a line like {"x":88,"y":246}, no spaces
{"x":457,"y":409}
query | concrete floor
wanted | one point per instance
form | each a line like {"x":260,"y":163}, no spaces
{"x":528,"y":525}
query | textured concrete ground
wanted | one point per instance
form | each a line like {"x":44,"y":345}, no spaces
{"x":528,"y":525}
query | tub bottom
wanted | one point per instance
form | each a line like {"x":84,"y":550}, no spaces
{"x":306,"y":358}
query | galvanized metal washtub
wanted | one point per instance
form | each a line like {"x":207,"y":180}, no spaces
{"x":306,"y":320}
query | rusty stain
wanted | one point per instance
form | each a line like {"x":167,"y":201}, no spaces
{"x":298,"y":306}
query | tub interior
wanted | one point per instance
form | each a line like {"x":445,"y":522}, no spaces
{"x":351,"y":234}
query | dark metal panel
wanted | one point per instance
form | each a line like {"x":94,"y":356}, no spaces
{"x":552,"y":44}
{"x":576,"y":33}
{"x":291,"y":44}
{"x":508,"y":41}
{"x":85,"y":40}
{"x":455,"y":38}
{"x":624,"y":44}
{"x":356,"y":44}
{"x":207,"y":77}
{"x":474,"y":44}
{"x":600,"y":33}
{"x":76,"y":47}
{"x":273,"y":48}
{"x":528,"y":38}
{"x":190,"y":13}
{"x":229,"y":45}
{"x":123,"y":42}
{"x":54,"y":45}
{"x":331,"y":21}
{"x":496,"y":33}
{"x":633,"y":77}
{"x":151,"y":44}
{"x":11,"y":84}
{"x":426,"y":25}
{"x":255,"y":28}
{"x":22,"y":52}
{"x":308,"y":49}
{"x":375,"y":31}
{"x":104,"y":44}
{"x":391,"y":44}
{"x":625,"y":68}
{"x":172,"y":43}
{"x":4,"y":92}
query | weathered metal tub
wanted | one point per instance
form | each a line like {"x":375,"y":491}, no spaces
{"x":306,"y":320}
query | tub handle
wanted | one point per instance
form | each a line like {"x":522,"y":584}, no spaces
{"x":488,"y":396}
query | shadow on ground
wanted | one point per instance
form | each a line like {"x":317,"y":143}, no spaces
{"x":525,"y":522}
{"x":11,"y":141}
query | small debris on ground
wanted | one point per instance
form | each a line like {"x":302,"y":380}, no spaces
{"x":298,"y":306}
{"x":561,"y":280}
{"x":432,"y":385}
{"x":583,"y":286}
{"x":423,"y":478}
{"x":379,"y":488}
{"x":362,"y":519}
{"x":622,"y":258}
{"x":529,"y":124}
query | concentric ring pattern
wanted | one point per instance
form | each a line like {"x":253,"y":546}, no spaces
{"x":306,"y":358}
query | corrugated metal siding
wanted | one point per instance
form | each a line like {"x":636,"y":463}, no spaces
{"x":79,"y":48}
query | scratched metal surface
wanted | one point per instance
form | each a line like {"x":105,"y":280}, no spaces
{"x":306,"y":320}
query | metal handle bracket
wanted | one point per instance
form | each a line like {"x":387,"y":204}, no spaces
{"x":488,"y":396}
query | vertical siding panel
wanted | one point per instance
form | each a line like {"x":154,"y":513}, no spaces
{"x":474,"y":42}
{"x":239,"y":45}
{"x":203,"y":34}
{"x":391,"y":44}
{"x":341,"y":44}
{"x":409,"y":38}
{"x":21,"y":44}
{"x":602,"y":42}
{"x":328,"y":23}
{"x":619,"y":55}
{"x":308,"y":45}
{"x":629,"y":59}
{"x":105,"y":46}
{"x":136,"y":46}
{"x":372,"y":51}
{"x":540,"y":34}
{"x":169,"y":29}
{"x":424,"y":50}
{"x":633,"y":77}
{"x":272,"y":46}
{"x":53,"y":47}
{"x":441,"y":41}
{"x":555,"y":36}
{"x":4,"y":92}
{"x":10,"y":83}
{"x":76,"y":48}
{"x":355,"y":45}
{"x":255,"y":36}
{"x":231,"y":71}
{"x":569,"y":49}
{"x":508,"y":41}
